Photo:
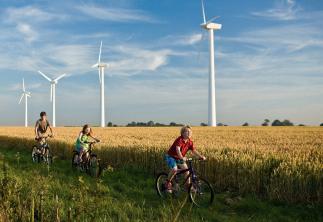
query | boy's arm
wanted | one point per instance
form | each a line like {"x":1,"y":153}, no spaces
{"x":36,"y":126}
{"x":179,"y":153}
{"x":196,"y":153}
{"x":96,"y":139}
{"x":51,"y":130}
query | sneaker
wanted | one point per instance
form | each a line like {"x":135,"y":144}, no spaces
{"x":168,"y":186}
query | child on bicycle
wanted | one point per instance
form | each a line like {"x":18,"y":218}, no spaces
{"x":82,"y":142}
{"x":41,"y":127}
{"x":175,"y":156}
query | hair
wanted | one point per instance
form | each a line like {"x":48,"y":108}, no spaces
{"x":85,"y":127}
{"x":43,"y":113}
{"x":184,"y":128}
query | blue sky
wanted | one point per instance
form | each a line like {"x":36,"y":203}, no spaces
{"x":269,"y":60}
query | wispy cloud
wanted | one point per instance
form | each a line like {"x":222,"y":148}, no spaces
{"x":134,"y":59}
{"x":30,"y":35}
{"x":116,"y":14}
{"x":18,"y":86}
{"x":283,"y":37}
{"x":30,"y":14}
{"x":284,"y":10}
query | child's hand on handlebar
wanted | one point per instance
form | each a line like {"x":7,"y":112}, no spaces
{"x":203,"y":158}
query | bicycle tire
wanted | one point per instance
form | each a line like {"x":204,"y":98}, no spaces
{"x":196,"y":191}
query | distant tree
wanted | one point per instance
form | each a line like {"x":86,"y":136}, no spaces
{"x":301,"y":124}
{"x":286,"y":122}
{"x":276,"y":122}
{"x":160,"y":124}
{"x":150,"y":123}
{"x":266,"y":122}
{"x":203,"y":124}
{"x":321,"y":124}
{"x":109,"y":124}
{"x":245,"y":124}
{"x":220,"y":124}
{"x":141,"y":124}
{"x":133,"y":123}
{"x":115,"y":125}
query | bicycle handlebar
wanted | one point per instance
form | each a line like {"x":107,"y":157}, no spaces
{"x":44,"y":137}
{"x":191,"y":160}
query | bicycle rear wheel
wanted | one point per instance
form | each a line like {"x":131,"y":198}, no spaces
{"x":201,"y":193}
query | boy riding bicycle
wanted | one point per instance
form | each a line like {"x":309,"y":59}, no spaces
{"x":41,"y":128}
{"x":175,"y":156}
{"x":82,"y":142}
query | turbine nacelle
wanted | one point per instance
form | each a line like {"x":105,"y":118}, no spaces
{"x":211,"y":25}
{"x":104,"y":65}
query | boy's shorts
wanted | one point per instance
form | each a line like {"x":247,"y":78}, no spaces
{"x":172,"y":162}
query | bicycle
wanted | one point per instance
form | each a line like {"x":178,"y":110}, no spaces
{"x":90,"y":163}
{"x":41,"y":152}
{"x":200,"y":191}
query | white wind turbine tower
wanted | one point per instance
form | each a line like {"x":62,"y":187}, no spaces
{"x":101,"y":67}
{"x":26,"y":95}
{"x":210,"y":27}
{"x":53,"y":83}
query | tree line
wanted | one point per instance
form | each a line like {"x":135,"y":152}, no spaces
{"x":151,"y":123}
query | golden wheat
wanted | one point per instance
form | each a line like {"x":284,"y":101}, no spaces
{"x":283,"y":163}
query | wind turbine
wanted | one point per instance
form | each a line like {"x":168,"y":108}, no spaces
{"x":53,"y":83}
{"x":101,"y":67}
{"x":210,"y":27}
{"x":26,"y":95}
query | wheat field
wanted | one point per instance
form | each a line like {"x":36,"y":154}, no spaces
{"x":278,"y":163}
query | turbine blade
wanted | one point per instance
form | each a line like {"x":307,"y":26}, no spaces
{"x":215,"y":17}
{"x":95,"y":65}
{"x":61,"y":76}
{"x":46,"y":77}
{"x":100,"y":53}
{"x":51,"y":92}
{"x":22,"y":95}
{"x":203,"y":11}
{"x":23,"y":85}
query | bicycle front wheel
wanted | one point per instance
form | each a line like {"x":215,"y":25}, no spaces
{"x":201,"y":193}
{"x":35,"y":155}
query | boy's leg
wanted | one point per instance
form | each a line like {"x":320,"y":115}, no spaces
{"x":80,"y":155}
{"x":171,"y":162}
{"x":185,"y":167}
{"x":172,"y":173}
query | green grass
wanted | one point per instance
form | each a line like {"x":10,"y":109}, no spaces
{"x":126,"y":194}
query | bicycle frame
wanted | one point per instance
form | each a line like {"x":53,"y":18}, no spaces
{"x":191,"y":171}
{"x":87,"y":155}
